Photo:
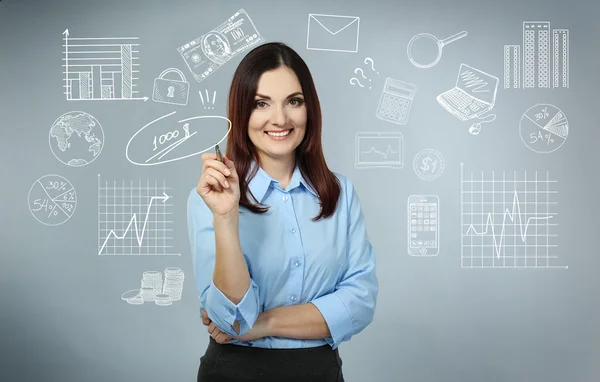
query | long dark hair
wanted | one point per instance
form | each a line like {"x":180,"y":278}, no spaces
{"x":309,"y":154}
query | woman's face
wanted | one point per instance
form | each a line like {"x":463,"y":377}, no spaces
{"x":278,"y":107}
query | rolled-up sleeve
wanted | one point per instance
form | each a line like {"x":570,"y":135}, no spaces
{"x":222,"y":311}
{"x":351,"y":307}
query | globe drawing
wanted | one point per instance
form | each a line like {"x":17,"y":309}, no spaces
{"x":76,"y":138}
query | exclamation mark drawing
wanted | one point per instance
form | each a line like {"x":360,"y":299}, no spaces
{"x":208,"y":104}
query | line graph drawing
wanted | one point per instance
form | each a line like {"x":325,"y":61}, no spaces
{"x":100,"y":68}
{"x":508,"y":222}
{"x":133,"y":219}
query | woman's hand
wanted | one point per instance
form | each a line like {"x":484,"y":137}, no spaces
{"x":219,"y":336}
{"x":219,"y":185}
{"x":260,"y":329}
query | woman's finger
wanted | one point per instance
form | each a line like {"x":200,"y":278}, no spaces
{"x":219,"y":176}
{"x":217,"y":165}
{"x":213,"y":182}
{"x":205,"y":319}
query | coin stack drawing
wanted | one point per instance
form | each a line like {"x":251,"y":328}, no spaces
{"x":154,"y":289}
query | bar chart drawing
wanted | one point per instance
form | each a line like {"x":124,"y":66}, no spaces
{"x":100,"y":68}
{"x":541,"y":62}
{"x":508,"y":221}
{"x":134,"y":219}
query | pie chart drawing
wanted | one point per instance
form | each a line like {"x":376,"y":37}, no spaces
{"x":543,"y":128}
{"x":52,"y":200}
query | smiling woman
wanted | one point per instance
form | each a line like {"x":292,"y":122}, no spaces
{"x":283,"y":265}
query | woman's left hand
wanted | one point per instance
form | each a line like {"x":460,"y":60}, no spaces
{"x":260,"y":329}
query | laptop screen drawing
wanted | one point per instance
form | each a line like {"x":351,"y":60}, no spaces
{"x":477,"y":84}
{"x":376,"y":149}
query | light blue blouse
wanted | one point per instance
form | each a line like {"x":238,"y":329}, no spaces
{"x":291,"y":260}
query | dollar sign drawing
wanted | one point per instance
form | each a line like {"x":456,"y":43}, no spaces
{"x":426,"y":162}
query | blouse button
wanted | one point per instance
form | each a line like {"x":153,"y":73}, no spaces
{"x":293,"y":230}
{"x":293,"y":298}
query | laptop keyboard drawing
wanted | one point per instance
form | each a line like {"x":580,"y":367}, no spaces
{"x":473,"y":95}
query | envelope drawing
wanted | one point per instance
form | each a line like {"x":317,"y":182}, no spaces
{"x":333,"y":33}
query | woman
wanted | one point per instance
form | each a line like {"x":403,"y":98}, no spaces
{"x":284,"y":269}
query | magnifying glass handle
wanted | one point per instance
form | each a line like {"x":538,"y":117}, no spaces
{"x":453,"y":38}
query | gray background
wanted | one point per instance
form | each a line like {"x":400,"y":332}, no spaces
{"x":61,"y":315}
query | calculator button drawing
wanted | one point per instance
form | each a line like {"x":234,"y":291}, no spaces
{"x":395,"y":102}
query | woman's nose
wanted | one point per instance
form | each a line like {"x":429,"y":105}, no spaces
{"x":278,"y":116}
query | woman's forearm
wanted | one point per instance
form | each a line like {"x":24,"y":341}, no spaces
{"x":231,"y":271}
{"x":302,"y":321}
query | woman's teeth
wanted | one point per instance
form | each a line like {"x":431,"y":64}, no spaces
{"x":282,"y":134}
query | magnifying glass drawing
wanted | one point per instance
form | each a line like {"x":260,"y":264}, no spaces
{"x":425,"y":39}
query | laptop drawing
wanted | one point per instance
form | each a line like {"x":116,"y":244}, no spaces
{"x":473,"y":95}
{"x":378,"y":150}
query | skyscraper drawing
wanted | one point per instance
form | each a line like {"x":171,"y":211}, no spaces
{"x":561,"y":58}
{"x":536,"y":47}
{"x":542,"y":61}
{"x":512,"y":66}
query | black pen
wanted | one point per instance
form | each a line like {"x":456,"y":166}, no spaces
{"x":219,"y":156}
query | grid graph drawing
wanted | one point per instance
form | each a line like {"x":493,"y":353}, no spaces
{"x":509,"y":220}
{"x":100,"y":68}
{"x":134,"y":218}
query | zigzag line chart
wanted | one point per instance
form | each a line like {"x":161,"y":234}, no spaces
{"x":134,"y":219}
{"x":508,"y":221}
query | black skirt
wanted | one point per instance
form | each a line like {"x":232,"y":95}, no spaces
{"x":237,"y":363}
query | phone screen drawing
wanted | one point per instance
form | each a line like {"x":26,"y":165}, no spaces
{"x":423,"y":225}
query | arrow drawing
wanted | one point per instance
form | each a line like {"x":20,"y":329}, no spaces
{"x":139,"y":235}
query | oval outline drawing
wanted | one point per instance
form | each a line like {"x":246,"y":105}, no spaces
{"x":183,"y":120}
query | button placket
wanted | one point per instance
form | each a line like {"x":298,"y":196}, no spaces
{"x":294,"y":240}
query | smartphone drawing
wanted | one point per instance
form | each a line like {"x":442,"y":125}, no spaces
{"x":423,"y":225}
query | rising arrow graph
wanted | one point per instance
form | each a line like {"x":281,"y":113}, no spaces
{"x":138,"y":226}
{"x":139,"y":235}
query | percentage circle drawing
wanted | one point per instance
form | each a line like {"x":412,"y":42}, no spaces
{"x":543,"y":128}
{"x":52,"y":200}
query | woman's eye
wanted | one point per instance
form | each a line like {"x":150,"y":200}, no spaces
{"x":260,"y":104}
{"x":297,"y":101}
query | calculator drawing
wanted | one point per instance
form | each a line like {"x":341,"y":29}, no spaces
{"x":396,"y":100}
{"x":423,"y":225}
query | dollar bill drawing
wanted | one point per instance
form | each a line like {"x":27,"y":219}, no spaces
{"x":207,"y":53}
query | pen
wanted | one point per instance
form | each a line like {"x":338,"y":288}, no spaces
{"x":219,"y":156}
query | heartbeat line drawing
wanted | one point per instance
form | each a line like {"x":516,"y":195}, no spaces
{"x":525,"y":208}
{"x":388,"y":152}
{"x":149,"y":237}
{"x":489,"y":225}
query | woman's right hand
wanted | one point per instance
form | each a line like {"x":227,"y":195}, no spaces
{"x":219,"y":185}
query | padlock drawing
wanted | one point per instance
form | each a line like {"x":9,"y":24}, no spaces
{"x":173,"y":91}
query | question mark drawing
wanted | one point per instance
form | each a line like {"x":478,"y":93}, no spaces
{"x":372,"y":64}
{"x":361,"y":72}
{"x":357,"y":82}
